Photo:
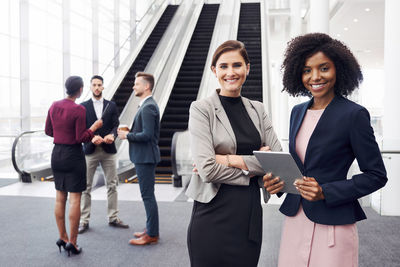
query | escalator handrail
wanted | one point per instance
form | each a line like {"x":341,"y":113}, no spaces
{"x":173,"y":154}
{"x":13,"y":149}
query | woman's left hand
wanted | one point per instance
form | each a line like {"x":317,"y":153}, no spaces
{"x":309,"y":189}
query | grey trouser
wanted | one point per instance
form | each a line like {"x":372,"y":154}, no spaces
{"x":108,"y":163}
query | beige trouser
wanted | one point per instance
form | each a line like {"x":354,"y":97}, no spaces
{"x":108,"y":163}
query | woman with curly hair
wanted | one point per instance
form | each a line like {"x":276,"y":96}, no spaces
{"x":326,"y":134}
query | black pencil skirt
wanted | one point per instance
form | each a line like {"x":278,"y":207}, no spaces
{"x":69,"y":168}
{"x":228,"y":230}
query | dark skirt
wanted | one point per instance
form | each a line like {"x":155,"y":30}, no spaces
{"x":69,"y":168}
{"x":228,"y":230}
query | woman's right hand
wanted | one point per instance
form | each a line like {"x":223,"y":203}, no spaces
{"x":273,"y":185}
{"x":96,"y":125}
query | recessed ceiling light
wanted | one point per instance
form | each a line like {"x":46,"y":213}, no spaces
{"x":338,"y":35}
{"x":355,"y":20}
{"x":346,"y":29}
{"x":367,"y":9}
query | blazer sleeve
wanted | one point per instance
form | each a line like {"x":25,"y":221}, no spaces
{"x":114,"y":119}
{"x":49,"y":125}
{"x":203,"y":151}
{"x":369,"y":159}
{"x":148,"y":116}
{"x":270,"y":139}
{"x":82,"y":135}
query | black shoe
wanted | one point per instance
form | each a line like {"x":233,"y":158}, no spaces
{"x":83,"y":227}
{"x":74,"y":249}
{"x":61,"y":243}
{"x":118,"y":223}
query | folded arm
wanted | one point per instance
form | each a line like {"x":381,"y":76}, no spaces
{"x":203,"y":151}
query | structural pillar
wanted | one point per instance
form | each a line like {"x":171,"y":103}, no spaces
{"x":390,"y":194}
{"x":25,"y":107}
{"x":95,"y":37}
{"x":319,"y":16}
{"x":66,"y":40}
{"x":287,"y":102}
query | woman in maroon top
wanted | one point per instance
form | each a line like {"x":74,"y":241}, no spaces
{"x":66,"y":122}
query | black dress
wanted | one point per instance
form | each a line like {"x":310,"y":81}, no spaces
{"x":69,"y":168}
{"x":227,"y":231}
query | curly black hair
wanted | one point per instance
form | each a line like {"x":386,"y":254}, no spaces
{"x":300,"y":48}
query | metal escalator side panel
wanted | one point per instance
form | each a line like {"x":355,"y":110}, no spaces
{"x":187,"y":83}
{"x":124,"y":98}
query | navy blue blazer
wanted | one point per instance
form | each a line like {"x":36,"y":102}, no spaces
{"x":110,"y":125}
{"x":144,"y":134}
{"x":342,"y":134}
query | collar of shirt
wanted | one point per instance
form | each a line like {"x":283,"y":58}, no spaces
{"x":101,"y":100}
{"x":144,"y":99}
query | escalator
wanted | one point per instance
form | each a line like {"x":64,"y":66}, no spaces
{"x":31,"y":150}
{"x":185,"y":90}
{"x":249,"y":33}
{"x":124,"y":90}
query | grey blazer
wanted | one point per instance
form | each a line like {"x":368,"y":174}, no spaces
{"x":210,"y":134}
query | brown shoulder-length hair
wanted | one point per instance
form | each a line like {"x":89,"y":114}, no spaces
{"x":230,"y":45}
{"x":147,"y":77}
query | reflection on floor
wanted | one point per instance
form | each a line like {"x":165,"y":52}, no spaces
{"x":126,"y":192}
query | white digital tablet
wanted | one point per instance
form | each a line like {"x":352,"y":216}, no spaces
{"x":280,"y":164}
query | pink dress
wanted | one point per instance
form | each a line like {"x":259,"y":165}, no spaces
{"x":309,"y":244}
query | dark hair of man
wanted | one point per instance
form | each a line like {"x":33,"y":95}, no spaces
{"x":299,"y":49}
{"x":97,"y":77}
{"x":73,"y":84}
{"x":230,"y":45}
{"x":147,"y":77}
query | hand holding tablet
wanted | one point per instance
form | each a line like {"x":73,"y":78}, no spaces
{"x":283,"y":165}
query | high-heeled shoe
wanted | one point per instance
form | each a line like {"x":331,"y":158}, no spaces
{"x":61,"y":243}
{"x":74,"y":249}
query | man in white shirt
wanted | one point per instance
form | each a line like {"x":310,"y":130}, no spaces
{"x":101,"y":150}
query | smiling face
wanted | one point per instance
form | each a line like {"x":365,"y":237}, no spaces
{"x":319,"y":77}
{"x":141,"y":87}
{"x":231,"y":71}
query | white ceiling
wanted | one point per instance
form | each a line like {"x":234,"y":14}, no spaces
{"x":364,"y":37}
{"x":361,"y":30}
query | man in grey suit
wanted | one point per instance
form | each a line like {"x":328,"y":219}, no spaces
{"x":145,"y":154}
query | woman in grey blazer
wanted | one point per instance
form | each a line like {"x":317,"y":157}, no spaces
{"x":226,"y":223}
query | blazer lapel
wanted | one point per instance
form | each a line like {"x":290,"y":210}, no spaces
{"x":139,"y":110}
{"x":91,"y":111}
{"x":136,"y":116}
{"x":222,"y":117}
{"x":297,"y":121}
{"x":320,"y":121}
